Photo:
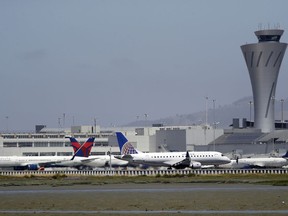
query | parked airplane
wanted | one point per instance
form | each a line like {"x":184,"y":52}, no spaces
{"x":177,"y":160}
{"x":40,"y":162}
{"x":83,"y":153}
{"x":258,"y":162}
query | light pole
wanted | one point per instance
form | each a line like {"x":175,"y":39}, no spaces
{"x":206,"y":120}
{"x":206,"y":111}
{"x":64,"y":115}
{"x":110,"y":162}
{"x":282,"y":116}
{"x":250,"y":104}
{"x":214,"y":124}
{"x":95,"y":124}
{"x":7,"y":125}
{"x":59,"y":123}
{"x":146,"y":115}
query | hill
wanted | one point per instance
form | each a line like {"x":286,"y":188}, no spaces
{"x":223,"y":115}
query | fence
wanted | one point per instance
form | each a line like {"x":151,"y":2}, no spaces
{"x":145,"y":172}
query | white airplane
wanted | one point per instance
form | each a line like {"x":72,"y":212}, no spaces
{"x":79,"y":160}
{"x":257,"y":162}
{"x":40,"y":162}
{"x":177,"y":160}
{"x":82,"y":155}
{"x":103,"y":161}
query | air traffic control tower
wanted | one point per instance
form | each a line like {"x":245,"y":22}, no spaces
{"x":263,"y":60}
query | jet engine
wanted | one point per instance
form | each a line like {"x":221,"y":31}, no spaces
{"x":27,"y":167}
{"x":195,"y":165}
{"x":33,"y":167}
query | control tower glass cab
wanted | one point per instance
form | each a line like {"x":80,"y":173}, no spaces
{"x":269,"y":35}
{"x":263,"y":60}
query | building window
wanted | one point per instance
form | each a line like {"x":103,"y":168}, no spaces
{"x":263,"y":38}
{"x":30,"y":154}
{"x":97,"y":153}
{"x":56,"y":144}
{"x":9,"y":136}
{"x":38,"y":136}
{"x":25,"y":144}
{"x":67,"y":144}
{"x":64,"y":154}
{"x":101,"y":143}
{"x":40,"y":144}
{"x":23,"y":136}
{"x":9,"y":144}
{"x":47,"y":153}
{"x":53,"y":136}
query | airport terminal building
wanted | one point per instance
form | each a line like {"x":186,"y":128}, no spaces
{"x":238,"y":140}
{"x":51,"y":142}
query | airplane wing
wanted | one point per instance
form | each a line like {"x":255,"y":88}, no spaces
{"x":173,"y":163}
{"x":181,"y":164}
{"x":257,"y":164}
{"x":51,"y":163}
{"x":38,"y":165}
{"x":127,"y":157}
{"x":88,"y":160}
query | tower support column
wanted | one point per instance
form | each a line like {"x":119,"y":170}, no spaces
{"x":263,"y":60}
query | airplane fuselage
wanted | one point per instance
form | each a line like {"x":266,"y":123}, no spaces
{"x":169,"y":158}
{"x":14,"y":161}
{"x":104,"y":160}
{"x":271,"y":162}
{"x":60,"y":161}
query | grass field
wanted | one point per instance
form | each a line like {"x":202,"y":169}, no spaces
{"x":87,"y":194}
{"x":62,"y":180}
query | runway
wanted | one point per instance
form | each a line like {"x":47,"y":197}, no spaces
{"x":145,"y":199}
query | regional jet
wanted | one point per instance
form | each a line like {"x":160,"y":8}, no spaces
{"x":177,"y":160}
{"x":258,"y":162}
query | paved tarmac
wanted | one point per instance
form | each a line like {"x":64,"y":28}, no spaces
{"x":145,"y":199}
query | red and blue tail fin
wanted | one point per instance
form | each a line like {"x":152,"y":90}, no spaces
{"x":74,"y":143}
{"x":124,"y":145}
{"x":82,"y":150}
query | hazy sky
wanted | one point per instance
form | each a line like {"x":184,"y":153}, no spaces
{"x":116,"y":60}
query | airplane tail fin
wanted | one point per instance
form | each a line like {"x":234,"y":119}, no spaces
{"x":82,"y":150}
{"x":74,"y":143}
{"x":188,"y":156}
{"x":124,"y":145}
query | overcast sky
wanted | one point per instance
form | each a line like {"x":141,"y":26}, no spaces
{"x":116,"y":60}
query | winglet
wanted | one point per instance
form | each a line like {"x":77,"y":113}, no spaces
{"x":82,"y":150}
{"x":125,"y":146}
{"x":286,"y":155}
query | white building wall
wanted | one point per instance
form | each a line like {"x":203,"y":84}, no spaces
{"x":198,"y":135}
{"x":146,"y":139}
